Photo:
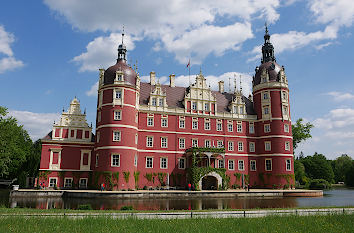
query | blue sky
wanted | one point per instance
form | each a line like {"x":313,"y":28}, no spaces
{"x":50,"y":51}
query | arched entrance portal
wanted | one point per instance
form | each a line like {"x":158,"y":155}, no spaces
{"x":209,"y":183}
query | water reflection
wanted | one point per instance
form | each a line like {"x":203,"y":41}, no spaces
{"x":339,"y":197}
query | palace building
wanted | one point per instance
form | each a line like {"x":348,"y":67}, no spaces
{"x":151,"y":135}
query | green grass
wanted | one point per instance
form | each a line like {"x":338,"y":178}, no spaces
{"x":329,"y":223}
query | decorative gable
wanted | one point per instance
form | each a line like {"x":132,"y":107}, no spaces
{"x":157,"y":100}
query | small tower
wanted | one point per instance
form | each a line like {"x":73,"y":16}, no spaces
{"x":271,"y":103}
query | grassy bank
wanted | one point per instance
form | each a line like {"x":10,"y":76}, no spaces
{"x":329,"y":223}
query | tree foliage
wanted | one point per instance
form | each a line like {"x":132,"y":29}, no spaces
{"x":340,"y":167}
{"x":318,"y":167}
{"x":349,"y":175}
{"x":301,"y":131}
{"x":19,"y":157}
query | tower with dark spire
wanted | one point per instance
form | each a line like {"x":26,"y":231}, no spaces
{"x":267,"y":48}
{"x":122,"y":50}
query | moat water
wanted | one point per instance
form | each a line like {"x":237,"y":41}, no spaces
{"x":335,"y":197}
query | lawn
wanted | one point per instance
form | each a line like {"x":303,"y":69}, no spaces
{"x":328,"y":223}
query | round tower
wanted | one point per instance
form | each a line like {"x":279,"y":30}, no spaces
{"x":271,"y":102}
{"x":117,"y":124}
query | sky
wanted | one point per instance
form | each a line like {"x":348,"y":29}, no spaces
{"x":51,"y":50}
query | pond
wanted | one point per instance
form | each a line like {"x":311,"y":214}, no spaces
{"x":334,"y":197}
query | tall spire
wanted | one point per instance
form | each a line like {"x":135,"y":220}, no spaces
{"x":122,"y":50}
{"x":267,"y":48}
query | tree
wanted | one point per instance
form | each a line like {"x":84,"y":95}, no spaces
{"x":300,"y":174}
{"x":301,"y":131}
{"x":349,"y":175}
{"x":318,"y":167}
{"x":15,"y":146}
{"x":340,"y":167}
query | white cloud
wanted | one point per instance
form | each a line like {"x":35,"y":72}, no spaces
{"x":102,"y":51}
{"x":93,"y":90}
{"x":324,"y":45}
{"x":185,"y":28}
{"x":9,"y":62}
{"x":38,"y":125}
{"x":340,"y":96}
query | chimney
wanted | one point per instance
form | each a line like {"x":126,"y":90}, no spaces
{"x":152,"y":78}
{"x":172,"y":80}
{"x":221,"y":86}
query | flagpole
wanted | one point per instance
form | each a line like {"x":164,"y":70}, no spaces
{"x":189,"y":71}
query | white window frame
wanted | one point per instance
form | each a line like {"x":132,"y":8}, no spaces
{"x":194,"y":105}
{"x":184,"y":163}
{"x":205,"y":143}
{"x":149,"y":143}
{"x":287,"y":146}
{"x":194,"y":142}
{"x":152,"y":162}
{"x":86,"y":179}
{"x":240,"y":146}
{"x":117,"y":115}
{"x":267,"y":128}
{"x":161,"y":102}
{"x":288,"y":164}
{"x":164,"y":122}
{"x":230,"y":127}
{"x":164,"y":142}
{"x":266,"y":110}
{"x":218,"y":126}
{"x":286,"y":128}
{"x":220,"y":144}
{"x":150,"y":121}
{"x":71,"y":183}
{"x":255,"y":165}
{"x":181,"y":143}
{"x":195,"y":123}
{"x":118,"y":94}
{"x":154,"y":101}
{"x":241,"y":165}
{"x":182,"y":125}
{"x":251,"y":128}
{"x":163,"y":160}
{"x":266,"y":147}
{"x":114,"y":159}
{"x":207,"y":107}
{"x":239,"y":127}
{"x":265,"y":165}
{"x":253,"y":147}
{"x":221,"y":163}
{"x":231,"y":164}
{"x":55,"y":184}
{"x":230,"y":145}
{"x":118,"y":137}
{"x":207,"y":125}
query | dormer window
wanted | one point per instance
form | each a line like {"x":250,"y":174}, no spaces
{"x":265,"y":96}
{"x":161,"y":102}
{"x":241,"y":110}
{"x":118,"y":94}
{"x":264,"y":79}
{"x":206,"y":106}
{"x":194,"y":105}
{"x":153,"y":102}
{"x":236,"y":109}
{"x":266,"y":110}
{"x":119,"y":77}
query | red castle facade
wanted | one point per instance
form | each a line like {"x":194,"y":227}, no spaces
{"x":144,"y":130}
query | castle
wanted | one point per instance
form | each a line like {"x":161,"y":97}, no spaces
{"x":152,"y":135}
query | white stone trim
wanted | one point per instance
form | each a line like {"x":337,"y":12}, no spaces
{"x":116,"y":125}
{"x":216,"y":175}
{"x":51,"y":165}
{"x":82,"y":166}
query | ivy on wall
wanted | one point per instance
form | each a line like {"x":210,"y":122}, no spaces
{"x":136,"y":179}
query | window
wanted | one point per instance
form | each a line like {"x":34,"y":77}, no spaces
{"x":220,"y":144}
{"x":230,"y":145}
{"x":68,"y":182}
{"x":253,"y":165}
{"x":286,"y":128}
{"x":207,"y":143}
{"x":116,"y":136}
{"x":163,"y":163}
{"x":96,"y":162}
{"x":241,"y":165}
{"x":221,"y":163}
{"x":164,"y":122}
{"x":207,"y":125}
{"x":182,"y":163}
{"x":266,"y":110}
{"x":149,"y":162}
{"x":160,"y":102}
{"x":195,"y":123}
{"x":136,"y":138}
{"x":285,"y":110}
{"x":206,"y":107}
{"x":236,"y":109}
{"x":194,"y":142}
{"x":252,"y":147}
{"x":164,"y":142}
{"x":251,"y":127}
{"x":288,"y":165}
{"x":239,"y":127}
{"x":98,"y":137}
{"x":83,"y":183}
{"x":268,"y":164}
{"x":267,"y":128}
{"x":285,"y":96}
{"x":117,"y":115}
{"x":242,"y":110}
{"x":230,"y":127}
{"x":149,"y":141}
{"x":118,"y":94}
{"x":287,"y":145}
{"x":267,"y":146}
{"x":240,"y":146}
{"x":99,"y":117}
{"x":119,"y":77}
{"x":153,"y":101}
{"x":231,"y":164}
{"x":150,"y":121}
{"x":136,"y":160}
{"x":115,"y":160}
{"x":219,"y":126}
{"x":181,"y":143}
{"x":182,"y":123}
{"x":136,"y":118}
{"x":265,"y":95}
{"x":194,"y":105}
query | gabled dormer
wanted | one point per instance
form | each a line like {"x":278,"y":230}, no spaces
{"x":157,"y":100}
{"x":238,"y":106}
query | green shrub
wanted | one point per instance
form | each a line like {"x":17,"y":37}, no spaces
{"x":127,"y":207}
{"x":319,"y":184}
{"x":84,"y":207}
